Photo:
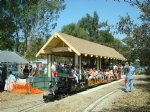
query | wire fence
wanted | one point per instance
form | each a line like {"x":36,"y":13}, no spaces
{"x":42,"y":81}
{"x":39,"y":82}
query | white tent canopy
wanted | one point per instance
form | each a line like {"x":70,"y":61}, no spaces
{"x":12,"y":57}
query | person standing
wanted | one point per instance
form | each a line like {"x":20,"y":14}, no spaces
{"x":130,"y":77}
{"x":119,"y":71}
{"x":115,"y":71}
{"x":36,"y":70}
{"x":54,"y":72}
{"x":4,"y":75}
{"x":126,"y":68}
{"x":26,"y":72}
{"x":9,"y":82}
{"x":30,"y":70}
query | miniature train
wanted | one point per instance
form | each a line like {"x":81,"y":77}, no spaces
{"x":68,"y":85}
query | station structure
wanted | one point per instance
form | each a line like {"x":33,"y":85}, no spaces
{"x":61,"y":44}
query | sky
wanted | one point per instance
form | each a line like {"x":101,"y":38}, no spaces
{"x":108,"y":10}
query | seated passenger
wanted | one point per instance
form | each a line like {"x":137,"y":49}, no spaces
{"x":95,"y":72}
{"x":92,"y":75}
{"x":111,"y":74}
{"x":106,"y":74}
{"x":84,"y":74}
{"x":77,"y":72}
{"x":75,"y":75}
{"x":101,"y":73}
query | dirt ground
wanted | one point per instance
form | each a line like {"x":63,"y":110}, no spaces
{"x":138,"y":101}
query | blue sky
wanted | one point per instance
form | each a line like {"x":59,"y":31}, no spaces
{"x":108,"y":10}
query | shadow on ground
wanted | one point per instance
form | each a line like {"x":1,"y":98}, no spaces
{"x":144,"y":87}
{"x":147,"y":79}
{"x":127,"y":104}
{"x":128,"y":109}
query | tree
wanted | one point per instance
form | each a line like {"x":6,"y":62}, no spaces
{"x":139,"y":34}
{"x":7,"y":28}
{"x":75,"y":30}
{"x":105,"y":37}
{"x":92,"y":25}
{"x":30,"y":18}
{"x":89,"y":28}
{"x":40,"y":18}
{"x":33,"y":47}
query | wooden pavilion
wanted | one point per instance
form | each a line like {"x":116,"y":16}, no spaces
{"x":67,"y":45}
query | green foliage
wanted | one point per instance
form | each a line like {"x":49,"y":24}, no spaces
{"x":23,"y":19}
{"x":125,"y":25}
{"x":89,"y":28}
{"x":92,"y":25}
{"x":138,"y":36}
{"x":7,"y":26}
{"x":33,"y":48}
{"x":105,"y":37}
{"x":75,"y":30}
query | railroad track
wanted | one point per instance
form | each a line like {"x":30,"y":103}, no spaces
{"x":32,"y":106}
{"x":92,"y":107}
{"x":23,"y":107}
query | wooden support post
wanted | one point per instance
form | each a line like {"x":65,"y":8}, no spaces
{"x":49,"y":65}
{"x":100,"y":63}
{"x":97,"y":63}
{"x":80,"y":66}
{"x":78,"y":63}
{"x":76,"y":59}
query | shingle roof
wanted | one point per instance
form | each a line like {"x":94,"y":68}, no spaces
{"x":81,"y":46}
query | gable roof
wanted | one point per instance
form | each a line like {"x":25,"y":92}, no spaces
{"x":81,"y":46}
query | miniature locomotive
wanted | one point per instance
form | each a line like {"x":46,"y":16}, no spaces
{"x":68,"y":85}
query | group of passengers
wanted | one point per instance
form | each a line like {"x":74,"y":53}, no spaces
{"x":89,"y":73}
{"x":93,"y":74}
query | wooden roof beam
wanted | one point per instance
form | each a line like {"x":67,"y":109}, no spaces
{"x":62,"y":49}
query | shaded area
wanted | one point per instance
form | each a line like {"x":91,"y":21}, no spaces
{"x":131,"y":108}
{"x":138,"y":101}
{"x":147,"y":79}
{"x":144,"y":87}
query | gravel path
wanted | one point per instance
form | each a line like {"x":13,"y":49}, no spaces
{"x":81,"y":101}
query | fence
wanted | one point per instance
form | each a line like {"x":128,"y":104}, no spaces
{"x":39,"y":82}
{"x":42,"y":82}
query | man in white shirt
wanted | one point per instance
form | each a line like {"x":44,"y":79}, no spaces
{"x":53,"y":68}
